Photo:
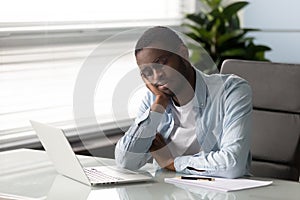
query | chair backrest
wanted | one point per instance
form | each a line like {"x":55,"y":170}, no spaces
{"x":275,"y":143}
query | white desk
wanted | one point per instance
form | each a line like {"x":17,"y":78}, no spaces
{"x":29,"y":174}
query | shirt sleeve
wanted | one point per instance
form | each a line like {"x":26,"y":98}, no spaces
{"x":132,"y":150}
{"x":231,"y":159}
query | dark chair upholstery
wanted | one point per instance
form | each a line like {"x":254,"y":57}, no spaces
{"x":275,"y":142}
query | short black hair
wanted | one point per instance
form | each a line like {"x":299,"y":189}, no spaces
{"x":159,"y":34}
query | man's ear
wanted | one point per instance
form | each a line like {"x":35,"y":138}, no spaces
{"x":183,"y":52}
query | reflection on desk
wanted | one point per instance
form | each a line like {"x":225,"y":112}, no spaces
{"x":29,"y":173}
{"x":145,"y":191}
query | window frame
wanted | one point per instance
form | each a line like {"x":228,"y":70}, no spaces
{"x":14,"y":35}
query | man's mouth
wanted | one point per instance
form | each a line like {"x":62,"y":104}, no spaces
{"x":163,"y":86}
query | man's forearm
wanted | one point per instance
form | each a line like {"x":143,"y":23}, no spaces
{"x":132,"y":150}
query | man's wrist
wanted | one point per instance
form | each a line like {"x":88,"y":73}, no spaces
{"x":171,"y":167}
{"x":160,"y":104}
{"x":158,"y":108}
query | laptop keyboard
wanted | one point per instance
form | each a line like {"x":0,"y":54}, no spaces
{"x":97,"y":176}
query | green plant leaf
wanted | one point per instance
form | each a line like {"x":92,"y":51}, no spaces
{"x":203,"y":43}
{"x":260,"y":56}
{"x":259,"y":48}
{"x":233,"y":8}
{"x":193,"y":36}
{"x":234,"y":52}
{"x":215,"y":14}
{"x":234,"y":23}
{"x":246,"y":40}
{"x":212,"y":3}
{"x":199,"y":18}
{"x":219,"y":33}
{"x":193,"y":28}
{"x":200,"y":32}
{"x":228,"y":36}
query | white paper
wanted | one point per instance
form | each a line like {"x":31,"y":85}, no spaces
{"x":221,"y":184}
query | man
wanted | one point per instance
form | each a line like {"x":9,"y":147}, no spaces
{"x":188,"y":122}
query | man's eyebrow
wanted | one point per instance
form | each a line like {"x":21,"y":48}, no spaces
{"x":158,"y":58}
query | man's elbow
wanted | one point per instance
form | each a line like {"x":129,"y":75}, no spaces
{"x":236,"y":166}
{"x":234,"y":171}
{"x":126,"y":163}
{"x":121,"y":161}
{"x":128,"y":160}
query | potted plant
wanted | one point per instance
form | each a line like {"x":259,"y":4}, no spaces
{"x":218,"y":31}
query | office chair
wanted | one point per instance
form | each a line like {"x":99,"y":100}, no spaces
{"x":275,"y":139}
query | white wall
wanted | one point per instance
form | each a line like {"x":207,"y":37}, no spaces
{"x":280,"y":24}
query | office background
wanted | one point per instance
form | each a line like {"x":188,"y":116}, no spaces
{"x":40,"y":61}
{"x":280,"y":27}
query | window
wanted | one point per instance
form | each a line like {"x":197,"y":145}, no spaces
{"x":90,"y":14}
{"x":44,"y":44}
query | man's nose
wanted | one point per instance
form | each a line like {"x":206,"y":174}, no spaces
{"x":158,"y":74}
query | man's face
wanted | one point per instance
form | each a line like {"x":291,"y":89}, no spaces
{"x":165,"y":70}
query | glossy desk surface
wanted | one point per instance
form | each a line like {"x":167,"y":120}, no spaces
{"x":28,"y":174}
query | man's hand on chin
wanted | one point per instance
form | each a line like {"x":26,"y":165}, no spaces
{"x":161,"y":153}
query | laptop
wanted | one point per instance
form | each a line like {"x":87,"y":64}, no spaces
{"x":66,"y":162}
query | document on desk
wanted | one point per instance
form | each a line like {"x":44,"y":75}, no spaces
{"x":220,"y":184}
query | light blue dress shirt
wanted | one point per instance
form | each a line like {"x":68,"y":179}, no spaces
{"x":223,"y":125}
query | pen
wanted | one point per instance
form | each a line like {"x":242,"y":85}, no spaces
{"x":197,"y":178}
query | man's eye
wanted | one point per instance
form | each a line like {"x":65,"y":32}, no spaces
{"x":147,"y":72}
{"x":157,"y":66}
{"x":163,"y":60}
